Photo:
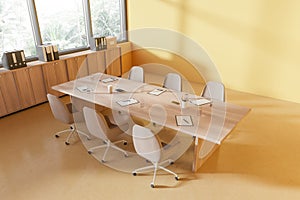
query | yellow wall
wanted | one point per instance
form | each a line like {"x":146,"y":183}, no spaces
{"x":254,"y":43}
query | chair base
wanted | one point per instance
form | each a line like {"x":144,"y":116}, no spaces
{"x":108,"y":145}
{"x":72,"y":130}
{"x":155,"y":167}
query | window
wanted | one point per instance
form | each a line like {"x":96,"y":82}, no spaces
{"x":15,"y":28}
{"x":62,"y":22}
{"x":108,"y":18}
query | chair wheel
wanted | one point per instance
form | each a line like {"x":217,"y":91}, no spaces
{"x":67,"y":143}
{"x":125,"y":143}
{"x":57,"y":136}
{"x":152,"y":185}
{"x":103,"y":161}
{"x":134,"y":173}
{"x":90,"y":152}
{"x":171,"y":163}
{"x":177,"y":178}
{"x":126,"y":155}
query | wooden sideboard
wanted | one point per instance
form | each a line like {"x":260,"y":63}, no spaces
{"x":25,"y":87}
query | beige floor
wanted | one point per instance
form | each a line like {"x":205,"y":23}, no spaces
{"x":259,"y":160}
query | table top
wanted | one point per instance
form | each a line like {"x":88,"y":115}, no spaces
{"x":212,"y":121}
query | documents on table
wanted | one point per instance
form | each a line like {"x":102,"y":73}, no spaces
{"x":157,"y":91}
{"x":127,"y":102}
{"x":184,"y":120}
{"x":200,"y":101}
{"x":84,"y":89}
{"x":107,"y":80}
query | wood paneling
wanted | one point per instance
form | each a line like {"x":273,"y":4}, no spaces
{"x":37,"y":82}
{"x":113,"y":61}
{"x":54,"y":74}
{"x":3,"y":110}
{"x":77,"y":67}
{"x":9,"y":92}
{"x":24,"y":87}
{"x":96,"y":62}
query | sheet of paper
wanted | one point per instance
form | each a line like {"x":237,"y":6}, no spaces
{"x":84,"y":89}
{"x":107,"y":80}
{"x":157,"y":91}
{"x":184,"y":120}
{"x":127,"y":102}
{"x":199,"y":102}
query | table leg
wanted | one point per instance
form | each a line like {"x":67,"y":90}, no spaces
{"x":202,"y":151}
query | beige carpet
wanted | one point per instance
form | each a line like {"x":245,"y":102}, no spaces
{"x":259,"y":160}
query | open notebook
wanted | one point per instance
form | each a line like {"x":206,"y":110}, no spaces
{"x":157,"y":91}
{"x":127,"y":102}
{"x":200,"y":101}
{"x":84,"y":89}
{"x":184,"y":120}
{"x":107,"y":80}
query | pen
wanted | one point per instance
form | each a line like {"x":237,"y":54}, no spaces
{"x":175,"y":102}
{"x":186,"y":121}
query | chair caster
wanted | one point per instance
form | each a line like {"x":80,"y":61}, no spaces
{"x":134,"y":173}
{"x":125,"y":143}
{"x":103,"y":161}
{"x":90,"y":152}
{"x":126,"y":155}
{"x":67,"y":143}
{"x":57,"y":136}
{"x":152,"y":185}
{"x":176,"y":178}
{"x":171,"y":163}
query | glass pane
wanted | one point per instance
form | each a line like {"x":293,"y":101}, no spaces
{"x":62,"y":22}
{"x":107,"y":18}
{"x":15,"y":28}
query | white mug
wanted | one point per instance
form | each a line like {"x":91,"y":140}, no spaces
{"x":109,"y":89}
{"x":183,"y":104}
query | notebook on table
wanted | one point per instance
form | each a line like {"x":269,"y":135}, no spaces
{"x":184,"y":120}
{"x":157,"y":91}
{"x":127,"y":102}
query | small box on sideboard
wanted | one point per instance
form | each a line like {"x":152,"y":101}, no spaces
{"x":47,"y":52}
{"x":13,"y":59}
{"x":111,"y":42}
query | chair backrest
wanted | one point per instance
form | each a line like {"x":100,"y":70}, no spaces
{"x":173,"y":81}
{"x":59,"y":109}
{"x":136,"y":74}
{"x":95,"y":123}
{"x":214,"y":90}
{"x":146,"y":144}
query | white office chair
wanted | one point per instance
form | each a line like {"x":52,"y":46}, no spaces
{"x":173,"y":81}
{"x":214,"y":90}
{"x":98,"y":127}
{"x":121,"y":119}
{"x":63,"y":113}
{"x":147,"y":146}
{"x":136,"y":73}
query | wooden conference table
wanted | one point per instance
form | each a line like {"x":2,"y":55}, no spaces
{"x":208,"y":123}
